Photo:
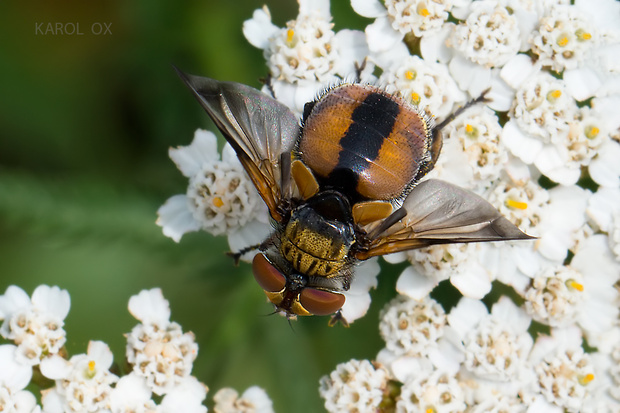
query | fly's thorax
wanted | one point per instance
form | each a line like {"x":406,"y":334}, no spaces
{"x":314,"y":245}
{"x":365,"y":142}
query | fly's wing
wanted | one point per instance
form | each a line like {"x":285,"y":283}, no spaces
{"x":436,"y":212}
{"x":261,"y":130}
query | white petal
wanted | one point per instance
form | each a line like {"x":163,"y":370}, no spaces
{"x":352,"y":48}
{"x":203,"y":149}
{"x":582,"y":83}
{"x":501,"y":94}
{"x":605,"y":168}
{"x":551,"y":163}
{"x":358,"y":297}
{"x":414,"y":284}
{"x":470,"y":76}
{"x":13,"y":375}
{"x":55,"y":367}
{"x":175,"y":218}
{"x":251,"y":234}
{"x":602,"y":205}
{"x":259,"y":399}
{"x":259,"y":29}
{"x":395,"y":258}
{"x":52,"y":300}
{"x":369,"y":8}
{"x":150,"y":307}
{"x":554,"y":245}
{"x":26,"y":402}
{"x":604,"y":13}
{"x":433,"y":45}
{"x":13,"y":299}
{"x":187,"y":396}
{"x":131,"y":391}
{"x":53,"y":402}
{"x":466,"y":315}
{"x":381,"y":36}
{"x":472,"y":283}
{"x":508,"y":312}
{"x":518,"y":68}
{"x":521,"y":145}
{"x":100,"y":352}
{"x":310,"y":7}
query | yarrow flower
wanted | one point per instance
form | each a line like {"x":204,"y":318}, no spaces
{"x":83,"y":383}
{"x":35,"y":325}
{"x":161,"y":355}
{"x":158,"y":349}
{"x":307,"y":55}
{"x":220,"y":197}
{"x":354,"y":386}
{"x":253,"y":400}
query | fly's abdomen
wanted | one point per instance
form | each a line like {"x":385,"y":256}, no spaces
{"x":361,"y":140}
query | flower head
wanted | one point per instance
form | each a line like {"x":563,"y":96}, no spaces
{"x":35,"y":325}
{"x":158,"y":349}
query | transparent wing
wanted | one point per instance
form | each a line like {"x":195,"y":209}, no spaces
{"x":261,"y":130}
{"x":436,"y":212}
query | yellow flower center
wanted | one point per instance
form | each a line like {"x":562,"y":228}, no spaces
{"x":554,"y":95}
{"x":415,"y":98}
{"x":511,"y":203}
{"x":289,"y":35}
{"x":409,"y":75}
{"x":574,"y":285}
{"x":423,"y":11}
{"x":582,"y":35}
{"x":562,"y":41}
{"x":584,"y":380}
{"x":592,"y":132}
{"x":217,"y":202}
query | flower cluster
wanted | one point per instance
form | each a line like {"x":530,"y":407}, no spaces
{"x":544,"y":151}
{"x":159,"y":354}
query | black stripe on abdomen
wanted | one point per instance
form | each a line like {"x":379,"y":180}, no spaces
{"x":372,"y":121}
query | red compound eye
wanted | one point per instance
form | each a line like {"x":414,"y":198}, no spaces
{"x":319,"y":302}
{"x":267,"y":276}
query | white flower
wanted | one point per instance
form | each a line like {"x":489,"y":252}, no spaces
{"x":220,"y":197}
{"x":564,"y":37}
{"x":21,"y":401}
{"x":489,"y":36}
{"x":253,"y":400}
{"x":358,"y":296}
{"x":132,"y":395}
{"x":538,"y":132}
{"x":187,"y":397}
{"x":398,"y":18}
{"x":604,"y":212}
{"x":461,"y":263}
{"x":14,"y":377}
{"x":495,"y":345}
{"x":83,"y":383}
{"x":410,"y":327}
{"x":555,"y":296}
{"x":158,"y":349}
{"x":433,"y":391}
{"x":472,"y":155}
{"x":307,"y":55}
{"x":353,"y":386}
{"x":428,"y":85}
{"x":35,"y":325}
{"x":565,"y":373}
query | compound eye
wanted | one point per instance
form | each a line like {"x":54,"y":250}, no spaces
{"x":319,"y":302}
{"x":267,"y":276}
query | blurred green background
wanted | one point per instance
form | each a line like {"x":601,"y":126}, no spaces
{"x":85,"y":126}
